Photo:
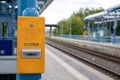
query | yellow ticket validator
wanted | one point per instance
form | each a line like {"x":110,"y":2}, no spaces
{"x":31,"y":45}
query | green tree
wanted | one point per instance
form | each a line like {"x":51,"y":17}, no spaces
{"x":76,"y":21}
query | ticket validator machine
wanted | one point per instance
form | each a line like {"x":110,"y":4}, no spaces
{"x":31,"y":47}
{"x":30,"y":41}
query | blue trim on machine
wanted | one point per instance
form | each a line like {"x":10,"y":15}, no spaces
{"x":28,"y":76}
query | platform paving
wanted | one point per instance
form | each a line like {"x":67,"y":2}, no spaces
{"x":60,"y":66}
{"x":55,"y":71}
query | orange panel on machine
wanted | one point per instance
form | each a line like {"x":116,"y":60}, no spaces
{"x":31,"y":45}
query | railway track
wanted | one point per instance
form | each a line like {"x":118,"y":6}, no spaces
{"x":105,"y":63}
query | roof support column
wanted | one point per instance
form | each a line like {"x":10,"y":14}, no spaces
{"x":114,"y":28}
{"x":104,"y":36}
{"x":50,"y":33}
{"x":56,"y":31}
{"x":110,"y":24}
{"x":98,"y":32}
{"x":89,"y":30}
{"x":92,"y":31}
{"x":11,"y":27}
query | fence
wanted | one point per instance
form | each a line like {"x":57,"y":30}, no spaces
{"x":105,"y":39}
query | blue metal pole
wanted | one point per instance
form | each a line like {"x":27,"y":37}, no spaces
{"x":92,"y":30}
{"x":2,"y":32}
{"x":114,"y":34}
{"x":98,"y":32}
{"x":70,"y":35}
{"x":103,"y":38}
{"x":115,"y":27}
{"x":11,"y":24}
{"x":10,"y":29}
{"x":28,"y":8}
{"x":14,"y":23}
{"x":110,"y":24}
{"x":89,"y":30}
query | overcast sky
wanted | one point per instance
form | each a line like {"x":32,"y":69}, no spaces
{"x":60,"y":9}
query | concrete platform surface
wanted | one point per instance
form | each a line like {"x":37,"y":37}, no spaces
{"x":60,"y":66}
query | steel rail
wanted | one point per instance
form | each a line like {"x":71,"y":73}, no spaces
{"x":108,"y":62}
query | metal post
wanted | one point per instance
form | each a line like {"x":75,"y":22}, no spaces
{"x":88,"y":30}
{"x":12,"y":22}
{"x":70,"y":28}
{"x":98,"y":32}
{"x":92,"y":31}
{"x":1,"y":30}
{"x":10,"y":29}
{"x":110,"y":24}
{"x":50,"y":33}
{"x":103,"y":38}
{"x":27,"y":8}
{"x":115,"y":27}
{"x":62,"y":30}
{"x":56,"y":31}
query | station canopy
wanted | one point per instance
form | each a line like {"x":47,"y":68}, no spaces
{"x":41,"y":4}
{"x":107,"y":15}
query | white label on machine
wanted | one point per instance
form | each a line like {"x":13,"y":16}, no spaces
{"x":31,"y":53}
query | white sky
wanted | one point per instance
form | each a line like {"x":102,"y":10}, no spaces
{"x":60,"y":9}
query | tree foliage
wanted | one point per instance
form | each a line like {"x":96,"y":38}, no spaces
{"x":75,"y":21}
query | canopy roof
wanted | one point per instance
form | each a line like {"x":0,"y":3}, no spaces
{"x":108,"y":14}
{"x":41,"y":5}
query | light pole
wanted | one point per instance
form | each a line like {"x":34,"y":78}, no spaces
{"x":62,"y":30}
{"x":70,"y":28}
{"x":56,"y":31}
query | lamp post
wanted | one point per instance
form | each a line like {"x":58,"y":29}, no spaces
{"x":70,"y":28}
{"x":62,"y":30}
{"x":56,"y":31}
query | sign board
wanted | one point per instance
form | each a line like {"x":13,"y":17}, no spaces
{"x":6,"y":47}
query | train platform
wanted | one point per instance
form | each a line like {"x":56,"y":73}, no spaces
{"x":60,"y":66}
{"x":106,"y":48}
